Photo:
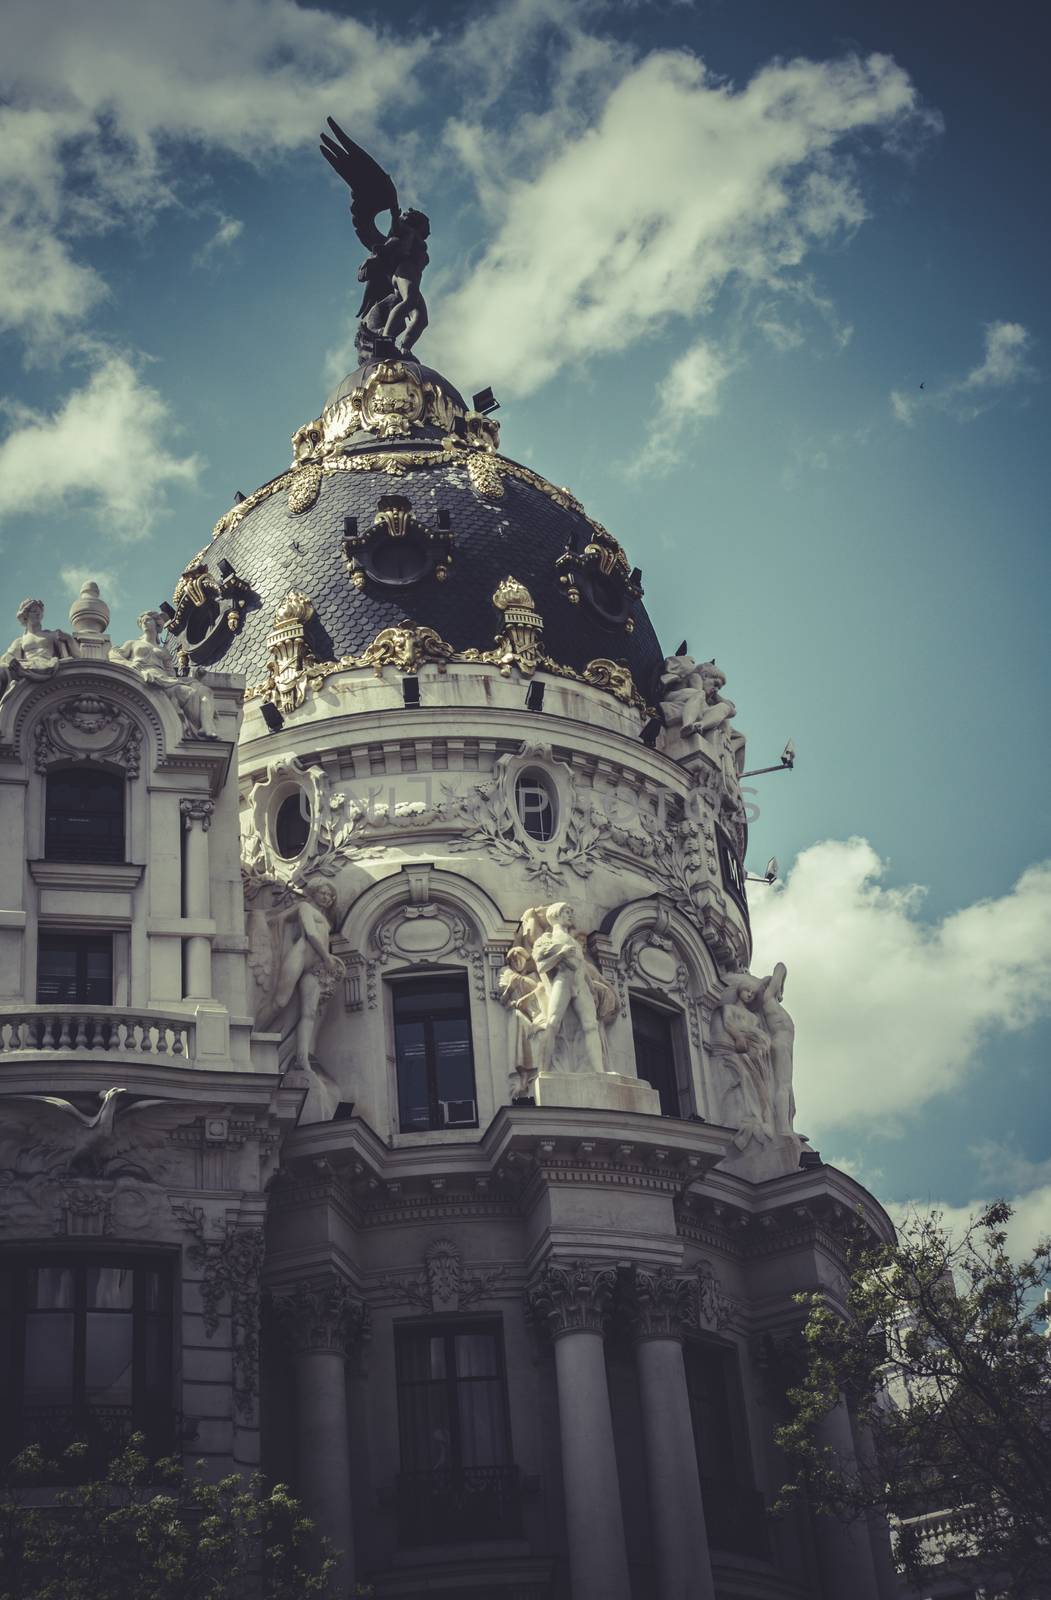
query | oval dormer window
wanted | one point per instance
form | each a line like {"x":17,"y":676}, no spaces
{"x":292,"y":825}
{"x":535,"y":803}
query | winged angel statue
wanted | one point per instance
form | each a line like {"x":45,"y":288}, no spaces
{"x":392,"y":304}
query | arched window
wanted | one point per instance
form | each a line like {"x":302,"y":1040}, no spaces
{"x":84,"y":815}
{"x":535,"y":804}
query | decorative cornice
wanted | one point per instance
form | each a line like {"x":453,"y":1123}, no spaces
{"x":575,"y":1298}
{"x":320,"y":1314}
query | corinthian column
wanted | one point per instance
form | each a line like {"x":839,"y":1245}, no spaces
{"x":197,"y":894}
{"x":572,"y":1302}
{"x":662,"y":1307}
{"x":322,"y":1323}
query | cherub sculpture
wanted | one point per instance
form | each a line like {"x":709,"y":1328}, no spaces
{"x":392,"y":304}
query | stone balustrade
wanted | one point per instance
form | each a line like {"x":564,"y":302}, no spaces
{"x":105,"y":1030}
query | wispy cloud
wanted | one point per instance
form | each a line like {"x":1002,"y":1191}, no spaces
{"x":227,"y":233}
{"x":1005,"y":362}
{"x":690,"y":392}
{"x":893,"y":1010}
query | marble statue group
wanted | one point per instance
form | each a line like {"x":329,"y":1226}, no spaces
{"x":560,"y":1003}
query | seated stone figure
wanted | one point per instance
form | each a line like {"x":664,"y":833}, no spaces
{"x":148,"y":657}
{"x":38,"y":650}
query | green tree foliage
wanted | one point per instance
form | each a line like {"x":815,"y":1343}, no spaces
{"x":944,"y":1358}
{"x":150,"y":1531}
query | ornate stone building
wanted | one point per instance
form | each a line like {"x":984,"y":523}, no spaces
{"x":385,"y":1095}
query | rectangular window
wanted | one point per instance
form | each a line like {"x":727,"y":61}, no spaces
{"x":84,"y":815}
{"x":457,"y":1481}
{"x":85,"y":1354}
{"x":734,"y":1509}
{"x":654,"y":1034}
{"x":432,"y":1046}
{"x":733,"y":872}
{"x":74,"y":969}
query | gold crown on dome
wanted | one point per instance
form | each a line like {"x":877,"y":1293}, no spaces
{"x":512,"y":593}
{"x":295,"y":607}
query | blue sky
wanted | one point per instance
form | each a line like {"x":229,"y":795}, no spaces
{"x":706,"y":255}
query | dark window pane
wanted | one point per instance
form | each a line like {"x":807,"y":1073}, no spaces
{"x":655,"y":1054}
{"x":110,"y":1288}
{"x":50,"y":1289}
{"x":107,"y":1359}
{"x":476,"y":1355}
{"x":74,"y":969}
{"x":535,"y":809}
{"x":48,"y":1370}
{"x":84,"y":816}
{"x":432,"y":1041}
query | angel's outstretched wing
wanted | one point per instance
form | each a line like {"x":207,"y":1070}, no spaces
{"x":371,"y":189}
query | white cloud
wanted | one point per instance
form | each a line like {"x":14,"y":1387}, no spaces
{"x":228,"y":231}
{"x":688,"y":393}
{"x":107,"y":447}
{"x":903,"y":406}
{"x":95,"y":101}
{"x":1004,"y":363}
{"x":74,"y":578}
{"x":607,"y":225}
{"x":891,"y":1010}
{"x":1006,"y":346}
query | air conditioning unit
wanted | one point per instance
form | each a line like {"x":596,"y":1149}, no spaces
{"x":459,"y":1113}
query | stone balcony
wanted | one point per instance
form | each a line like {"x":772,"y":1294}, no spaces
{"x":89,"y":1032}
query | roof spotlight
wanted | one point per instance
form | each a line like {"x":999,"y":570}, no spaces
{"x":272,"y":716}
{"x":485,"y":401}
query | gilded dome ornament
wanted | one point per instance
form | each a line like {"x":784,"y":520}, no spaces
{"x":206,"y":611}
{"x":290,"y":655}
{"x":398,"y":549}
{"x":518,"y":643}
{"x":600,"y":575}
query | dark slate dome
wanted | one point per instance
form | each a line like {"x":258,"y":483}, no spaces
{"x":399,"y":430}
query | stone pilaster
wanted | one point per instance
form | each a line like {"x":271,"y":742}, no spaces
{"x":573,"y":1302}
{"x":196,"y":811}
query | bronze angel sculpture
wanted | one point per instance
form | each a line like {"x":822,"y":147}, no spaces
{"x":392,"y":304}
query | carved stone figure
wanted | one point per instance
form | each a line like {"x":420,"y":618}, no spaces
{"x":38,"y":650}
{"x":521,"y":991}
{"x":753,"y":1038}
{"x":714,"y":725}
{"x":684,"y":694}
{"x":291,"y":960}
{"x":148,"y":657}
{"x":741,"y":1046}
{"x":692,"y":703}
{"x":577,"y":1002}
{"x":90,"y":1153}
{"x":782,"y":1031}
{"x":392,"y":303}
